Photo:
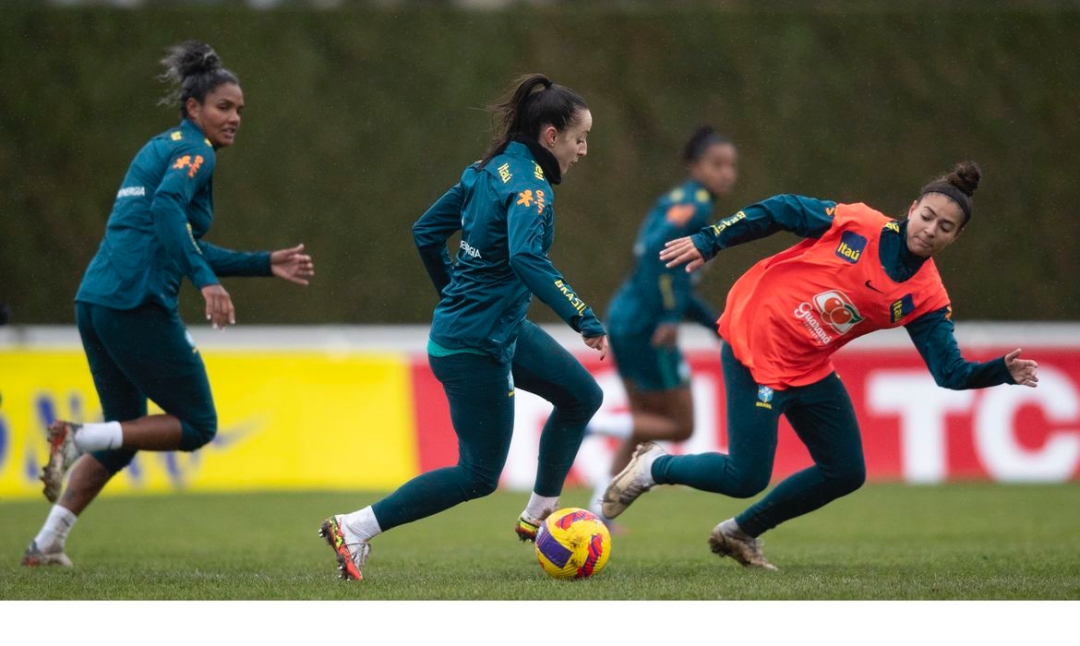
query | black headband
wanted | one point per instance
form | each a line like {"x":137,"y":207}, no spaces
{"x":958,"y":196}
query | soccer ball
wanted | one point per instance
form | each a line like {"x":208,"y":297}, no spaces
{"x":573,"y":544}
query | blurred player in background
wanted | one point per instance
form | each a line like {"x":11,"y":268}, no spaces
{"x":126,"y":306}
{"x":857,"y":271}
{"x":643,"y":318}
{"x":481,"y":345}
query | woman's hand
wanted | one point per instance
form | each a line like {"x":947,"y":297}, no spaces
{"x":598,"y":343}
{"x":219,"y":307}
{"x":292,"y":265}
{"x":1024,"y":371}
{"x":681,"y":251}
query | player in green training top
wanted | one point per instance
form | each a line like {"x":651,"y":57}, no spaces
{"x":126,"y":306}
{"x":481,"y":345}
{"x":643,"y":318}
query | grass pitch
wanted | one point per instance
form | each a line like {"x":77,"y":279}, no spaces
{"x":884,"y":542}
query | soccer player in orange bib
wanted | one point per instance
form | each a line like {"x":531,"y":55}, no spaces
{"x":857,"y":271}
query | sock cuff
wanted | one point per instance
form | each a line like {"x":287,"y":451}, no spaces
{"x":541,"y":506}
{"x":363,"y":524}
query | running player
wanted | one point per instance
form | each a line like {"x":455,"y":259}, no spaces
{"x":481,"y":346}
{"x":126,"y":306}
{"x":857,"y":271}
{"x":643,"y":318}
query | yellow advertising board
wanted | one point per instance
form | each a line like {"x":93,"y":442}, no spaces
{"x":286,"y":420}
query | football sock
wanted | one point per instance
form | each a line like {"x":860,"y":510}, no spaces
{"x":647,"y":464}
{"x":540,"y":507}
{"x":55,"y":530}
{"x":732,"y":528}
{"x":362,"y":524}
{"x":99,"y":437}
{"x":617,"y":425}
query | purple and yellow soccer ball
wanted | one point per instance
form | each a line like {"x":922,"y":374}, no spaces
{"x":573,"y":544}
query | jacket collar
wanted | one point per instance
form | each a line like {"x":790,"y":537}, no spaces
{"x":899,"y":263}
{"x":544,"y":158}
{"x":188,"y":126}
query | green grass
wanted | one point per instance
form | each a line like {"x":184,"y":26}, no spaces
{"x":885,"y":542}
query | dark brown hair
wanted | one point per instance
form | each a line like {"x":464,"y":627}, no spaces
{"x":959,"y":184}
{"x":534,"y":102}
{"x":195,"y":69}
{"x":700,"y":141}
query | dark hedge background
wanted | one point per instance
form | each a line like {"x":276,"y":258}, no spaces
{"x":359,"y":118}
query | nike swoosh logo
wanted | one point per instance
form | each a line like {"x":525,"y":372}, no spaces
{"x":236,"y":433}
{"x":874,"y":288}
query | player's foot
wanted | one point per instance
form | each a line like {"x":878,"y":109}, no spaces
{"x":728,"y":540}
{"x":62,"y":454}
{"x":350,"y":556}
{"x":632,"y":481}
{"x":527,"y":526}
{"x":34,"y":557}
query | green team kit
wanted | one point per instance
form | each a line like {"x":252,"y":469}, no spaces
{"x":654,"y":294}
{"x":482,"y":347}
{"x":126,"y":305}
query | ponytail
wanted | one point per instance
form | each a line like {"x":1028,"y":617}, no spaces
{"x":535,"y":101}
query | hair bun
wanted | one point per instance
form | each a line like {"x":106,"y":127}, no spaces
{"x":965,"y":176}
{"x":193,"y":57}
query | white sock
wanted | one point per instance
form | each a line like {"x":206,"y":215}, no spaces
{"x":540,"y":507}
{"x":362,"y":524}
{"x":732,"y":527}
{"x":647,"y":463}
{"x":618,"y":425}
{"x":99,"y":437}
{"x":55,"y":530}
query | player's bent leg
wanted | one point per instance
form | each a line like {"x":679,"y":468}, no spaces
{"x":824,"y":419}
{"x":198,"y":430}
{"x":172,"y":375}
{"x":664,"y":415}
{"x":543,"y":367}
{"x":90,"y":475}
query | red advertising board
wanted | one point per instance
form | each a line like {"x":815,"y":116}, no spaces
{"x":913,"y":430}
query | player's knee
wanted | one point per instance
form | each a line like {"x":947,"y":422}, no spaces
{"x":850,"y":479}
{"x":592,"y":397}
{"x":114,"y":461}
{"x":477,"y":481}
{"x":198,"y":432}
{"x":748,"y":485}
{"x":579,"y":401}
{"x":482,"y":486}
